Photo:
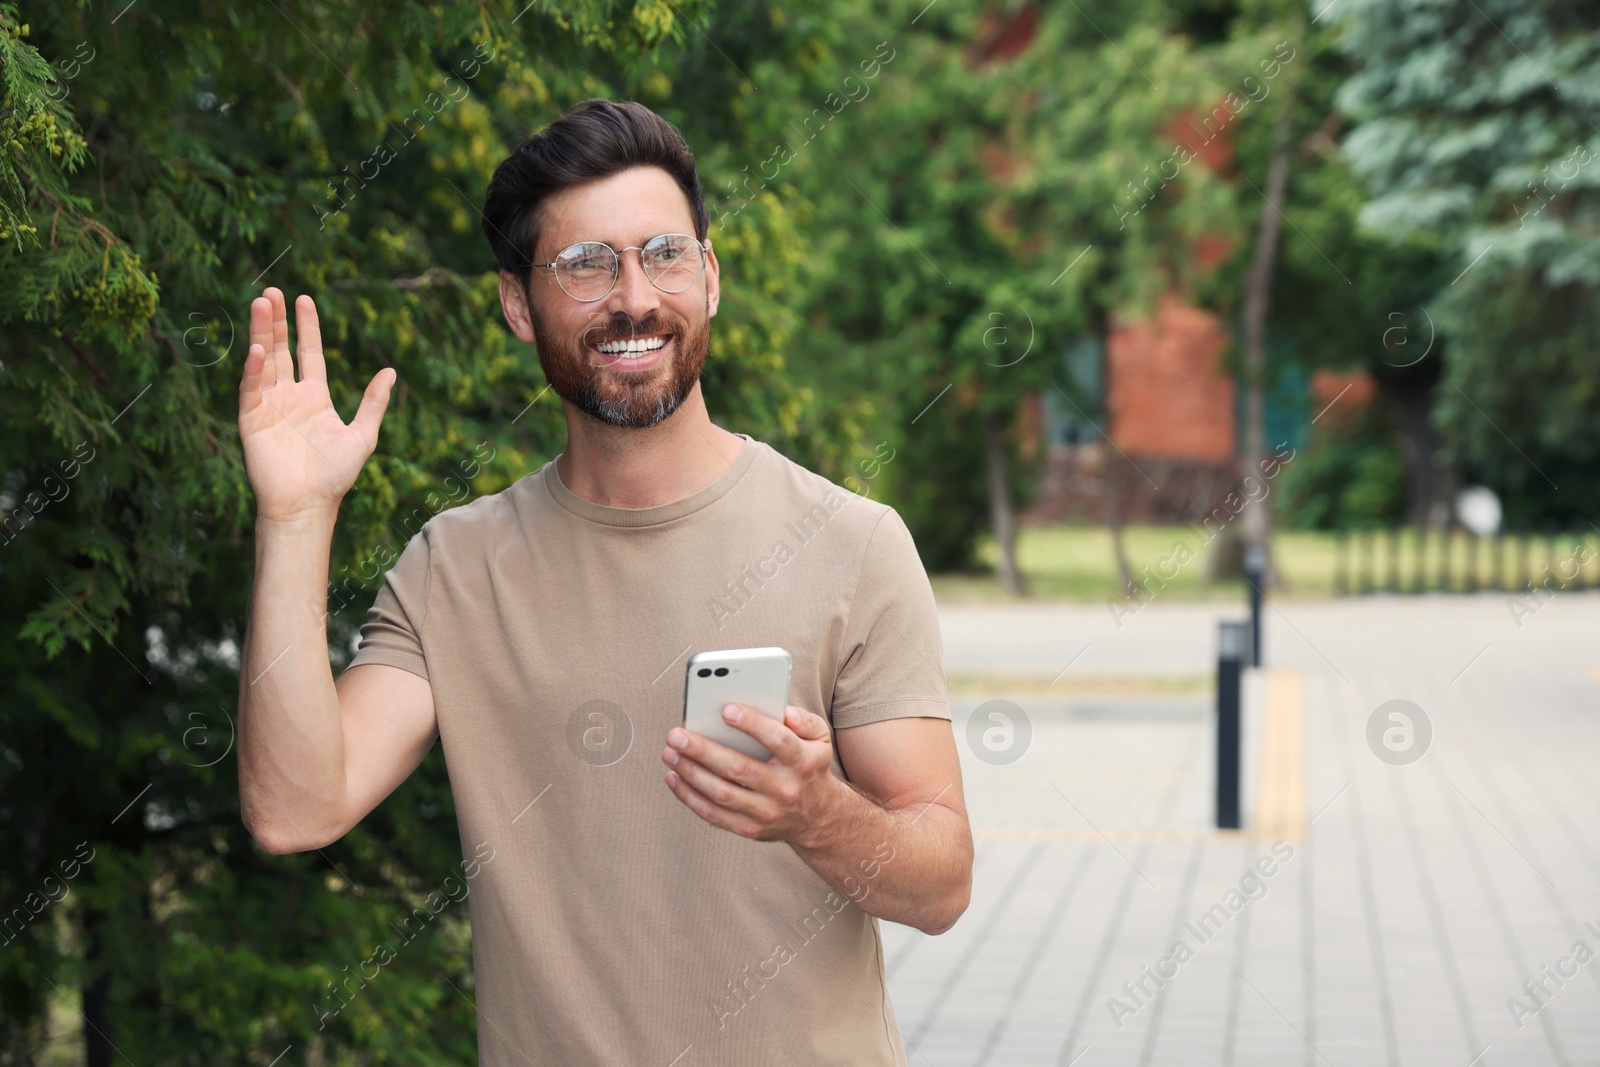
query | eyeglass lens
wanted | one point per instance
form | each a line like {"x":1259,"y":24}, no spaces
{"x":588,"y":270}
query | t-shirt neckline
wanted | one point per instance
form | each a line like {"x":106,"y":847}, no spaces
{"x":676,"y":509}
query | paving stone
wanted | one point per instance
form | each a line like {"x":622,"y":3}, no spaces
{"x":1420,"y":900}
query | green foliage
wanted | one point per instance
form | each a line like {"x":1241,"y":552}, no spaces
{"x":158,"y":167}
{"x":1348,"y":478}
{"x":918,"y":260}
{"x":1477,"y":132}
{"x":1002,"y":204}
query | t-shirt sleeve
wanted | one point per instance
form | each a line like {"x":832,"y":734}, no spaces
{"x":392,"y":634}
{"x":893,"y":656}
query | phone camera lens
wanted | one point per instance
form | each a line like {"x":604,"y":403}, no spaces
{"x":704,"y":672}
{"x":721,"y":671}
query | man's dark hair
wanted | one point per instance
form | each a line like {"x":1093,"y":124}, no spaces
{"x":595,"y":139}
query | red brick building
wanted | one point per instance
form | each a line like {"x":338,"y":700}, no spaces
{"x":1163,"y":393}
{"x":1169,"y":408}
{"x":1167,"y":394}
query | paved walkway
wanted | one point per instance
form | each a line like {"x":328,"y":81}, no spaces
{"x":1397,"y":921}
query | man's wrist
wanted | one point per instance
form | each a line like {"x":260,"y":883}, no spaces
{"x":312,"y":521}
{"x":822,"y":833}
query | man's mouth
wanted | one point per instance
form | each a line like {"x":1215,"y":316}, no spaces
{"x":633,"y":353}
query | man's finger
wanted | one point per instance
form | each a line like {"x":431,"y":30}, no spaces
{"x":374,"y":402}
{"x":718,"y":789}
{"x":708,"y":809}
{"x":724,"y":761}
{"x":779,"y":739}
{"x":308,"y":333}
{"x":257,"y":375}
{"x":808,"y":725}
{"x":278,"y":349}
{"x":261,"y":323}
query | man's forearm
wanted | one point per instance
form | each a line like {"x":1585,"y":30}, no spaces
{"x":909,"y":864}
{"x":291,"y":737}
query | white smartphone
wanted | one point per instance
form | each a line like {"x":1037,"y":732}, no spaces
{"x":755,"y":677}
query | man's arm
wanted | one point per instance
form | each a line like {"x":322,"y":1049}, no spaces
{"x":895,"y":841}
{"x":314,"y":756}
{"x":905,"y":788}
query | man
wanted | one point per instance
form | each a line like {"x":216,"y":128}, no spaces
{"x":706,"y":909}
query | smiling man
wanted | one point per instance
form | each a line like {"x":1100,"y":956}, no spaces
{"x":649,"y":896}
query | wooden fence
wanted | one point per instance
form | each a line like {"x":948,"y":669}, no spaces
{"x":1441,"y":560}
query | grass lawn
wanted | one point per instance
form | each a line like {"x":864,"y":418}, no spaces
{"x":1076,"y":563}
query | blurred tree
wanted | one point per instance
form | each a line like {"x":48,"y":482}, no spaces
{"x":1148,"y":162}
{"x":1477,"y":131}
{"x":1352,"y":299}
{"x":1349,"y":477}
{"x":1011,"y":162}
{"x":159,"y":164}
{"x":1340,"y":296}
{"x":920,"y":312}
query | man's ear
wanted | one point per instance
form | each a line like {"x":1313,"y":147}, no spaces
{"x":514,"y":302}
{"x":713,"y":281}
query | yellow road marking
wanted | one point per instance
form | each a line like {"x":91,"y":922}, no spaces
{"x":1085,"y":835}
{"x":1280,"y":813}
{"x":1281,"y":790}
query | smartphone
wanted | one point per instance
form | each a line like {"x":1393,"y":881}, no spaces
{"x":755,"y":677}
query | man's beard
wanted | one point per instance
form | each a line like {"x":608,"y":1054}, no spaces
{"x":620,"y":398}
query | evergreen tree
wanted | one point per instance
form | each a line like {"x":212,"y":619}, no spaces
{"x":1479,"y":128}
{"x":160,"y":164}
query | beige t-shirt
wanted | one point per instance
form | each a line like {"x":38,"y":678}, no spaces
{"x":611,"y":925}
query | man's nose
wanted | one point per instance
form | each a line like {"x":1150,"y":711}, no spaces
{"x":634,"y":294}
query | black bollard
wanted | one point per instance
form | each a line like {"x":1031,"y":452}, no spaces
{"x":1231,"y":653}
{"x":1255,"y":571}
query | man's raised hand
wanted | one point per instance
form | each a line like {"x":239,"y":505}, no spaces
{"x":300,"y":456}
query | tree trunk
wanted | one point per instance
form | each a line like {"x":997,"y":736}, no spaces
{"x":1002,"y":516}
{"x":1430,"y":483}
{"x":1113,"y":502}
{"x":1114,"y":522}
{"x":1257,"y":519}
{"x":98,"y":1050}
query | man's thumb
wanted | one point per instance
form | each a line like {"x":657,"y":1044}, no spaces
{"x":375,"y":401}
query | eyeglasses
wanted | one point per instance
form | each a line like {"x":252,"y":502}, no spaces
{"x":587,"y":271}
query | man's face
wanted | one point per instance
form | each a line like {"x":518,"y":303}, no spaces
{"x":624,"y":210}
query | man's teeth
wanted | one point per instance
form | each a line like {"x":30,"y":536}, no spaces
{"x":634,"y":348}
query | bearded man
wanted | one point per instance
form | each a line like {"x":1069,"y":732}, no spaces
{"x":705,"y":909}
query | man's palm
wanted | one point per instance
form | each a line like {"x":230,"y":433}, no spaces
{"x":300,"y":456}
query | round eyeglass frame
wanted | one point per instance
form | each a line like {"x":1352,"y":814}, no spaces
{"x":616,"y":271}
